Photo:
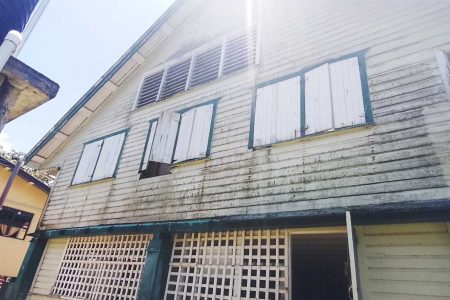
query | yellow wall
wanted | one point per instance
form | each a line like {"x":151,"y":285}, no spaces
{"x":26,"y":197}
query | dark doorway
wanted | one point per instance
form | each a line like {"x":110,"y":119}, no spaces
{"x":319,"y":267}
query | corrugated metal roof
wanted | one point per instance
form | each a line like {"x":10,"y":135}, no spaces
{"x":14,"y":15}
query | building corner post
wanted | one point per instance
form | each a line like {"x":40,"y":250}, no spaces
{"x":19,"y":289}
{"x":156,"y":268}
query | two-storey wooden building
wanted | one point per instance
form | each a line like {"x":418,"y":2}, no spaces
{"x":257,"y":150}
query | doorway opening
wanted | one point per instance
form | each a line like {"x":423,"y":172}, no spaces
{"x":319,"y":265}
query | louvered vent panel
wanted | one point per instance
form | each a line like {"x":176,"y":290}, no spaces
{"x":175,"y":81}
{"x":239,"y":53}
{"x":149,"y":89}
{"x":206,"y":66}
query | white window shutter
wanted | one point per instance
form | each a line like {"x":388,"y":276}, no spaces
{"x":318,"y":109}
{"x":288,"y":110}
{"x":148,"y":147}
{"x":346,"y":90}
{"x":200,"y":132}
{"x":109,"y":156}
{"x":87,"y":162}
{"x":277,"y":112}
{"x":165,"y":136}
{"x":184,"y":136}
{"x":193,"y":136}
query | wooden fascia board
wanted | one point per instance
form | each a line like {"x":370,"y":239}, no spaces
{"x":106,"y":77}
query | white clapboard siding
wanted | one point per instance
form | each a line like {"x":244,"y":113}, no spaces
{"x":48,"y":269}
{"x":165,"y":136}
{"x":404,"y":261}
{"x":403,"y":158}
{"x":109,"y":156}
{"x":346,"y":91}
{"x":193,"y":136}
{"x":318,"y":109}
{"x":87,"y":162}
{"x":277,"y":112}
{"x":148,"y":147}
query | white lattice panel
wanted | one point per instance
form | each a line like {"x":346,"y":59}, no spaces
{"x":229,"y":265}
{"x":102,"y":267}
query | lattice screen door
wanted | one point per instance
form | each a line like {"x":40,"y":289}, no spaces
{"x":102,"y":267}
{"x":229,"y":265}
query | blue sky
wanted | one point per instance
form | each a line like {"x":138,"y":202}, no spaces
{"x":74,"y":43}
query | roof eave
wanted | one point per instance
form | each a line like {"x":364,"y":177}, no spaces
{"x":104,"y":79}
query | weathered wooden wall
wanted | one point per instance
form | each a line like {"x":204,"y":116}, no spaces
{"x":48,"y":269}
{"x":403,"y":157}
{"x":408,"y":261}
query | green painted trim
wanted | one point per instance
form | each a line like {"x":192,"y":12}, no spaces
{"x":101,"y":147}
{"x":146,"y":141}
{"x":409,"y":211}
{"x":156,"y":267}
{"x":120,"y":154}
{"x":365,"y":87}
{"x":211,"y":128}
{"x":251,"y":134}
{"x":214,"y":102}
{"x":302,"y":106}
{"x":19,"y":289}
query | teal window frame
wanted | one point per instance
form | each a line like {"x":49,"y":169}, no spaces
{"x":101,"y":147}
{"x":211,"y":130}
{"x":361,"y":55}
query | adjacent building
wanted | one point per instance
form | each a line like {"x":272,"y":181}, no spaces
{"x":256,"y":150}
{"x":19,"y":217}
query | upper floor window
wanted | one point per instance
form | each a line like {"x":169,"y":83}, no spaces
{"x":14,"y":223}
{"x":201,"y":67}
{"x":331,"y":96}
{"x":100,"y":158}
{"x":177,"y":137}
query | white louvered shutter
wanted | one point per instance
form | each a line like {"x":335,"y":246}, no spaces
{"x":109,"y":157}
{"x":149,"y":89}
{"x":87,"y":162}
{"x":193,"y":136}
{"x":318,"y":109}
{"x":165,"y":136}
{"x":346,"y":90}
{"x":239,"y":53}
{"x":175,"y":80}
{"x":148,"y":147}
{"x":277,"y":112}
{"x":206,"y":66}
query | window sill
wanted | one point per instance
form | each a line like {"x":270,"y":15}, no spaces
{"x":190,"y":162}
{"x":316,"y":135}
{"x":76,"y":185}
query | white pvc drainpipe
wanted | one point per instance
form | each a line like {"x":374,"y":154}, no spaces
{"x":9,"y":46}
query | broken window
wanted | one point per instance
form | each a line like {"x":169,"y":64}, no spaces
{"x":178,"y":137}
